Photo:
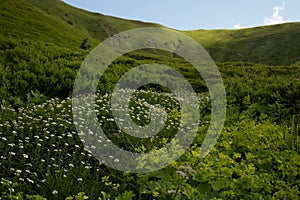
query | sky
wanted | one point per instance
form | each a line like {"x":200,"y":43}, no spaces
{"x":198,"y":14}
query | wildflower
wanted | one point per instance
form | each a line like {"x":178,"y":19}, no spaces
{"x":171,"y":191}
{"x":55,"y":192}
{"x":182,"y":174}
{"x":188,"y":169}
{"x":11,"y":190}
{"x":29,"y":180}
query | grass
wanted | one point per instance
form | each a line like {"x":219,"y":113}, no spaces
{"x":272,"y":45}
{"x":67,"y":26}
{"x":52,"y":21}
{"x":97,"y":25}
{"x":20,"y":19}
{"x":41,"y":153}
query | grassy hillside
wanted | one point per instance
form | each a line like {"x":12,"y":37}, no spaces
{"x":41,"y":152}
{"x":39,"y":43}
{"x":272,"y":45}
{"x":20,"y":19}
{"x":97,"y":25}
{"x":52,"y":21}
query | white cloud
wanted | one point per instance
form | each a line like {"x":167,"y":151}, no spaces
{"x":276,"y":18}
{"x":238,"y":26}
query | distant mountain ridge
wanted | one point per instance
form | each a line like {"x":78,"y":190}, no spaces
{"x":53,"y":21}
{"x":272,"y":45}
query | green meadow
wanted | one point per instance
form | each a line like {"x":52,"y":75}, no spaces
{"x":42,"y":46}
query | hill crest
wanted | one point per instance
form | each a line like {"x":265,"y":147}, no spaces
{"x":53,"y":21}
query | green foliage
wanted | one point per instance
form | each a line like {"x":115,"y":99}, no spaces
{"x":79,"y":196}
{"x":9,"y":192}
{"x":251,"y":161}
{"x":260,"y":90}
{"x":257,"y":156}
{"x":43,"y":153}
{"x":31,"y":72}
{"x":126,"y":196}
{"x":42,"y":156}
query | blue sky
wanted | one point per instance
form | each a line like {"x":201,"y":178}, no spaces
{"x":198,"y":14}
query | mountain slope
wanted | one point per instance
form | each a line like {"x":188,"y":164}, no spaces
{"x":273,"y":45}
{"x":20,"y":19}
{"x":52,"y":21}
{"x":97,"y":25}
